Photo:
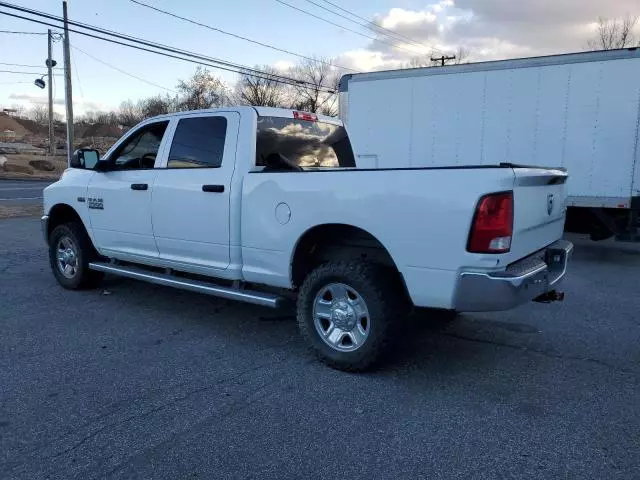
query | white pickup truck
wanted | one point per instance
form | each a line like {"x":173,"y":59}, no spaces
{"x":252,"y":203}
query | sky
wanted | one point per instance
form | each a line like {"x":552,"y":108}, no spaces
{"x":488,"y":29}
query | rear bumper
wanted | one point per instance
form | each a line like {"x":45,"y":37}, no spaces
{"x":521,"y":282}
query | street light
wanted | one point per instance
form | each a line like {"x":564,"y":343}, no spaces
{"x":39,"y":82}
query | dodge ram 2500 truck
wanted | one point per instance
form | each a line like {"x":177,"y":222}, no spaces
{"x":250,"y":203}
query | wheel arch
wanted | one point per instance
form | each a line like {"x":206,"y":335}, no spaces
{"x":333,"y":241}
{"x":63,"y":213}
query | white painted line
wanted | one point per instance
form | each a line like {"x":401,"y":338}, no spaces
{"x":2,"y":189}
{"x":17,"y":199}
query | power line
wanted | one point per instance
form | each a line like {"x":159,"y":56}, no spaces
{"x":22,"y":65}
{"x":368,"y":25}
{"x":373,"y":25}
{"x":122,"y":71}
{"x":231,"y":67}
{"x":206,"y":61}
{"x":343,"y":27}
{"x":215,"y":29}
{"x":75,"y":69}
{"x":22,"y":33}
{"x":23,"y":73}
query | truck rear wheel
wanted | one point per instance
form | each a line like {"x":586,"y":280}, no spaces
{"x":70,"y":251}
{"x":348,"y":313}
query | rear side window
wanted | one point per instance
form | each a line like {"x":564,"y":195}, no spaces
{"x":198,"y":143}
{"x":305,"y":143}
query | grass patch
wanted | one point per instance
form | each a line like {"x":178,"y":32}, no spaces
{"x":15,"y":211}
{"x":33,"y":167}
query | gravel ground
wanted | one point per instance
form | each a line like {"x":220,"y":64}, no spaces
{"x":140,"y":381}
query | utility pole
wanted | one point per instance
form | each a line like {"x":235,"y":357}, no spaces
{"x":443,"y":59}
{"x":67,"y":84}
{"x":50,"y":64}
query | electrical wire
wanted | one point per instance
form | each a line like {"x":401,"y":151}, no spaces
{"x":209,"y":62}
{"x":122,"y":71}
{"x":372,"y":25}
{"x":345,"y":28}
{"x":21,"y":65}
{"x":195,"y":58}
{"x":24,"y":73}
{"x":23,"y":33}
{"x":215,"y":29}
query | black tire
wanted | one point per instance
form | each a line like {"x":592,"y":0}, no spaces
{"x":385,"y":300}
{"x":82,"y":277}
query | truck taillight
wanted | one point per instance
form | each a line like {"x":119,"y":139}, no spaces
{"x":492,"y":226}
{"x":309,"y":117}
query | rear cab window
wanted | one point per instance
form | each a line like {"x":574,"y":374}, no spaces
{"x":303,"y":143}
{"x":198,"y":143}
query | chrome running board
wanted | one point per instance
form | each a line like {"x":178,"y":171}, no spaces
{"x":137,"y":273}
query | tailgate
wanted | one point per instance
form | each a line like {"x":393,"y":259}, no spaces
{"x":540,"y":196}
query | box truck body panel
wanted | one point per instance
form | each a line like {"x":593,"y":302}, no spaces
{"x":578,"y":111}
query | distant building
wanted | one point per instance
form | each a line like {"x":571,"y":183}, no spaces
{"x":8,"y":135}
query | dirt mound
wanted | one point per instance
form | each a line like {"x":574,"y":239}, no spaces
{"x":33,"y":127}
{"x":42,"y":165}
{"x":9,"y":123}
{"x":98,"y":130}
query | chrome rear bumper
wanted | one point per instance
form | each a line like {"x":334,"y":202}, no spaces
{"x":521,"y":282}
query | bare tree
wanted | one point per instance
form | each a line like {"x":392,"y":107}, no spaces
{"x":319,"y":92}
{"x":614,"y":33}
{"x":129,"y":114}
{"x":202,"y":90}
{"x":261,"y":90}
{"x":158,"y":105}
{"x":39,"y":114}
{"x":19,"y":110}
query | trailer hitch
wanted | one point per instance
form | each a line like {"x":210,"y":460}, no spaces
{"x":552,"y":296}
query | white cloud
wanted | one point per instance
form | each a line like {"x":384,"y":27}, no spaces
{"x":80,"y":106}
{"x":34,"y":99}
{"x":283,"y":65}
{"x":489,"y":29}
{"x":399,"y":17}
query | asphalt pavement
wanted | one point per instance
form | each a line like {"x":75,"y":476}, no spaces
{"x":22,"y":192}
{"x":140,"y":381}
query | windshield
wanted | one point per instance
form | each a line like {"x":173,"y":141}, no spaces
{"x":305,"y":143}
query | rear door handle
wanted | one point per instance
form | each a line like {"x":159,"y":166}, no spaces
{"x":139,"y":186}
{"x":213,"y":188}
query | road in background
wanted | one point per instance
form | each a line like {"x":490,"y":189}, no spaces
{"x":22,"y":192}
{"x":140,"y":381}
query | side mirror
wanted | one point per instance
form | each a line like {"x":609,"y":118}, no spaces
{"x":86,"y":158}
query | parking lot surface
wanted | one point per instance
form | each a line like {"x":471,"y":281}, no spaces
{"x":140,"y":381}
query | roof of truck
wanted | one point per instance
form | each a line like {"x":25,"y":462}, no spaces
{"x":548,"y":60}
{"x":261,"y":111}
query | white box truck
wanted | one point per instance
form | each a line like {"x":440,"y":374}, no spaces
{"x":577,"y":111}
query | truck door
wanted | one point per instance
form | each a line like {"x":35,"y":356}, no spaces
{"x":119,"y":200}
{"x":190,"y":206}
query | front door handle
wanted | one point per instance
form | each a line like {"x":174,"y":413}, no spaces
{"x":139,"y":186}
{"x":213,"y":188}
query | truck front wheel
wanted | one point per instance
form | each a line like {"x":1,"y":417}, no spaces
{"x":70,"y":251}
{"x":348,"y":313}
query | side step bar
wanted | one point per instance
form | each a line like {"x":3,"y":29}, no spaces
{"x":248,"y":296}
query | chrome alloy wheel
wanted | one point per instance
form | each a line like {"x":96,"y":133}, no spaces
{"x":341,"y":317}
{"x":67,"y":257}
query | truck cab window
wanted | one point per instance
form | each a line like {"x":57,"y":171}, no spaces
{"x":303,"y":143}
{"x":140,"y":150}
{"x":198,"y":143}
